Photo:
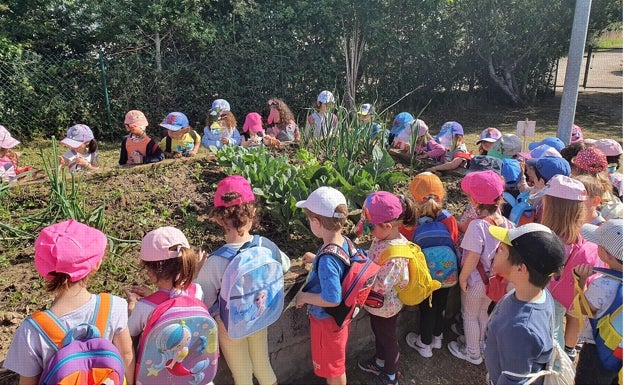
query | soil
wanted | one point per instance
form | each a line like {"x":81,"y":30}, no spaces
{"x":179,"y":192}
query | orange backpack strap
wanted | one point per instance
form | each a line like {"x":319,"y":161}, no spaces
{"x":103,"y":307}
{"x":49,"y":327}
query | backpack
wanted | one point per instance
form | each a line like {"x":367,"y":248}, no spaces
{"x":421,"y":285}
{"x":559,"y":370}
{"x":522,"y":212}
{"x":436,"y":243}
{"x":495,"y":285}
{"x":179,"y":344}
{"x":356,"y":283}
{"x":81,"y":354}
{"x":607,"y":330}
{"x":193,"y":133}
{"x":252,"y":288}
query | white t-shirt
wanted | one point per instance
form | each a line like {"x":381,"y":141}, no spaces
{"x":600,"y":294}
{"x":29,"y":352}
{"x":72,"y":156}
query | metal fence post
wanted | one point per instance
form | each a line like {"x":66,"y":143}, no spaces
{"x":587,"y":65}
{"x":105,"y":89}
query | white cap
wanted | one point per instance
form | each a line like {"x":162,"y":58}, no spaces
{"x":325,"y":97}
{"x":323,"y":201}
{"x":608,"y":236}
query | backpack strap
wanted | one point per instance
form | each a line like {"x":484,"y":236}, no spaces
{"x":509,"y":198}
{"x":101,"y":315}
{"x":480,"y":267}
{"x":405,"y":250}
{"x":50,"y":328}
{"x":229,"y":252}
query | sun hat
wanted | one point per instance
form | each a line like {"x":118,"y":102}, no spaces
{"x":613,"y":209}
{"x":69,"y":247}
{"x":324,"y":201}
{"x":511,"y":173}
{"x":219,"y":105}
{"x":175,"y":121}
{"x":577,"y":134}
{"x":489,"y":135}
{"x":325,"y":97}
{"x":608,"y":235}
{"x":552,"y":141}
{"x":591,"y":160}
{"x":366,"y":109}
{"x":550,"y":166}
{"x":609,"y":146}
{"x":483,"y":186}
{"x":421,"y":125}
{"x":6,"y":140}
{"x":380,"y":207}
{"x":253,"y":122}
{"x":485,"y":162}
{"x":400,"y":122}
{"x":564,"y":187}
{"x":544,"y":150}
{"x":156,"y":244}
{"x":135,"y":118}
{"x":77,"y":135}
{"x":539,"y":247}
{"x":234,"y":184}
{"x":507,"y":146}
{"x":425,"y":185}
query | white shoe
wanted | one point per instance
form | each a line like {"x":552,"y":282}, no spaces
{"x":414,"y":342}
{"x":437,"y":342}
{"x":460,"y":352}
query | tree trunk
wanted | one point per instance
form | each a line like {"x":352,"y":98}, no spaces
{"x":353,"y":48}
{"x":505,"y":83}
{"x":157,"y":53}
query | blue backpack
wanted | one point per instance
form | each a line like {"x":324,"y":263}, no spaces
{"x":252,"y":288}
{"x":522,"y":212}
{"x":436,"y":243}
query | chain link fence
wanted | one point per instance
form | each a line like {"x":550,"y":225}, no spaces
{"x":601,"y":70}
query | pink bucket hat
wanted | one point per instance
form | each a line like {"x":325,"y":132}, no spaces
{"x":77,"y":135}
{"x":135,"y":118}
{"x":564,"y":187}
{"x":490,"y":135}
{"x":156,"y":245}
{"x":609,"y":146}
{"x":577,"y":134}
{"x":380,"y":207}
{"x":591,"y":160}
{"x":483,"y":186}
{"x":234,"y":184}
{"x":253,"y":123}
{"x":69,"y":247}
{"x":6,"y":140}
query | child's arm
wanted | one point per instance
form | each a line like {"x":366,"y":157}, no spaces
{"x":196,"y":143}
{"x":312,"y":299}
{"x":451,"y":165}
{"x":153,"y":153}
{"x":470,"y":261}
{"x":583,"y":271}
{"x":235,"y":139}
{"x":123,"y":154}
{"x":123,"y":342}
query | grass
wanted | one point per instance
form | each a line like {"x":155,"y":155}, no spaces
{"x":610,"y":40}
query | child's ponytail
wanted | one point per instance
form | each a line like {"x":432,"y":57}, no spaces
{"x":410,"y":211}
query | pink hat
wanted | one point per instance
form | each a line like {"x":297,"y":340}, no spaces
{"x":6,"y":140}
{"x":234,"y":184}
{"x":77,"y":135}
{"x":591,"y":160}
{"x":609,"y":146}
{"x":490,"y":135}
{"x":69,"y":247}
{"x":483,"y":186}
{"x":421,"y":125}
{"x":156,"y":245}
{"x":564,"y":187}
{"x":253,"y":122}
{"x":381,"y":206}
{"x":135,"y":118}
{"x":577,"y":134}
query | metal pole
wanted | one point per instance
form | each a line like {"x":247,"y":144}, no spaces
{"x":573,"y":70}
{"x":587,"y":65}
{"x":105,"y":88}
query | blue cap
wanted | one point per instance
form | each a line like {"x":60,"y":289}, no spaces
{"x":401,"y":121}
{"x":550,"y":166}
{"x":511,"y":172}
{"x":219,"y":105}
{"x":552,"y":141}
{"x":175,"y":121}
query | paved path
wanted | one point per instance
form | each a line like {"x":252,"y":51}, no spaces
{"x":605,"y":73}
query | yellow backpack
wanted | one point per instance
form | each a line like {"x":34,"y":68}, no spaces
{"x":420,"y":285}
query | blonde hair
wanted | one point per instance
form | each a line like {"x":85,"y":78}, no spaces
{"x":331,"y":224}
{"x":430,"y":208}
{"x":592,"y":185}
{"x":564,"y":217}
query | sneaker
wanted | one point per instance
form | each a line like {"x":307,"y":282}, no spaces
{"x":383,"y":379}
{"x":458,"y":329}
{"x":370,"y":366}
{"x":414,"y":342}
{"x":437,"y":342}
{"x":460,"y":352}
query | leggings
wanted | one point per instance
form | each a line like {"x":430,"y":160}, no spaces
{"x":386,"y":343}
{"x":432,"y":318}
{"x":474,"y":305}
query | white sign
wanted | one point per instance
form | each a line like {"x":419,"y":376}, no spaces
{"x":525,"y":128}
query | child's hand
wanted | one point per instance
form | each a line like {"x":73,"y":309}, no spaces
{"x":193,"y":152}
{"x":299,"y":300}
{"x":463,"y":284}
{"x":176,"y":155}
{"x":584,"y":271}
{"x":62,"y":161}
{"x":139,"y":291}
{"x":308,"y":257}
{"x":225,"y":140}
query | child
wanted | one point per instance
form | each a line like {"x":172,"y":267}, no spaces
{"x":367,"y":124}
{"x":83,"y":149}
{"x":66,"y":254}
{"x":451,"y":136}
{"x":137,"y":147}
{"x":9,"y":168}
{"x":552,"y":141}
{"x":253,"y":127}
{"x":595,"y":191}
{"x":600,"y":294}
{"x":323,"y":122}
{"x":428,"y":192}
{"x":235,"y":211}
{"x":171,"y":265}
{"x":382,"y":213}
{"x":486,"y":141}
{"x":563,"y":206}
{"x":181,"y":139}
{"x":326,"y":209}
{"x":539,"y":172}
{"x":484,"y":190}
{"x":592,"y":161}
{"x":508,"y":146}
{"x":281,"y":123}
{"x":519,"y":333}
{"x":400,"y":123}
{"x":220,"y":130}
